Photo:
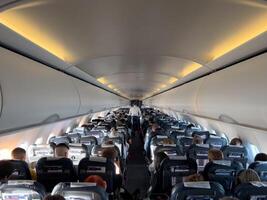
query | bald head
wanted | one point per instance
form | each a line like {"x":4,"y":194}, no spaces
{"x":61,"y":150}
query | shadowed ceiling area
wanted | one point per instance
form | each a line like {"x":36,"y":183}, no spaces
{"x":138,"y":48}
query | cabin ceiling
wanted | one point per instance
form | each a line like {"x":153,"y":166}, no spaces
{"x":137,"y":48}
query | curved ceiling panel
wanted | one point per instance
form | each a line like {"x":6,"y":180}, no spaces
{"x":152,"y":37}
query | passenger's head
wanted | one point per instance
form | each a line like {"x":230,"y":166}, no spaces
{"x":197,"y":139}
{"x":159,"y":157}
{"x":167,"y":141}
{"x":54,"y":197}
{"x":6,"y":169}
{"x":260,"y":157}
{"x":113,"y":130}
{"x":194,"y":178}
{"x":61,"y":150}
{"x":247,"y":176}
{"x":236,"y":141}
{"x":154,"y":127}
{"x":110,"y":152}
{"x":98,"y":180}
{"x":18,"y":154}
{"x":215,"y":154}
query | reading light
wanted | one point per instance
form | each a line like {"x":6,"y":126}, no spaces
{"x":111,"y":86}
{"x":102,"y":80}
{"x":173,"y":80}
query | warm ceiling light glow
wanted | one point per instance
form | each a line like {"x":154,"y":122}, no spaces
{"x":34,"y":33}
{"x":111,"y":86}
{"x":163,"y":86}
{"x":173,"y":80}
{"x":189,"y":69}
{"x":102,"y":80}
{"x":248,"y":31}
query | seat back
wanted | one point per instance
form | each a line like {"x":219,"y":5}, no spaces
{"x":173,"y":169}
{"x":185,"y":142}
{"x":203,"y":134}
{"x":199,"y":152}
{"x":251,"y":191}
{"x":98,"y":134}
{"x":169,"y":150}
{"x":74,"y":137}
{"x":216,"y":142}
{"x":260,"y":168}
{"x":202,"y":190}
{"x":155,"y":142}
{"x":35,"y":152}
{"x":88,"y":140}
{"x":77,"y":152}
{"x":238,"y":153}
{"x":223,"y":172}
{"x":55,"y":140}
{"x":98,"y":166}
{"x":50,"y":171}
{"x":81,"y":191}
{"x":20,"y":170}
{"x":22,"y":190}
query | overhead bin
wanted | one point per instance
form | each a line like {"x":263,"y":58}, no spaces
{"x":94,"y":99}
{"x":236,"y":94}
{"x":35,"y":94}
{"x":181,"y":99}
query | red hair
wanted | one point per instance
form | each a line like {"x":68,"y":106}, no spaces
{"x":96,"y":179}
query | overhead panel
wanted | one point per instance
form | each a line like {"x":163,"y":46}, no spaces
{"x":183,"y":39}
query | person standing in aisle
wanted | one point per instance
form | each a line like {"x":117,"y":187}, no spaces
{"x":135,"y":114}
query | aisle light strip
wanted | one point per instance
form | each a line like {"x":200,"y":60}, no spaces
{"x":246,"y":33}
{"x":189,"y":69}
{"x":34,"y":35}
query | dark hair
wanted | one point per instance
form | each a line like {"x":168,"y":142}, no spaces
{"x":260,"y":157}
{"x":235,"y":141}
{"x":110,"y":153}
{"x":6,"y":169}
{"x":54,"y":197}
{"x":62,"y":145}
{"x":18,"y":152}
{"x":159,"y":157}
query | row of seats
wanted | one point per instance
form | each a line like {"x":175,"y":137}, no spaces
{"x":181,"y":158}
{"x":59,"y":175}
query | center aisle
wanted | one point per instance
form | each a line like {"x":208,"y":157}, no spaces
{"x":137,"y":176}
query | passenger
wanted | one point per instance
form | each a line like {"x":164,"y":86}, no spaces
{"x":54,"y":197}
{"x":236,"y":141}
{"x":197,"y":140}
{"x":61,"y":150}
{"x":18,"y":154}
{"x":6,"y":170}
{"x":155,"y":165}
{"x":215,"y":154}
{"x":135,"y":114}
{"x":247,"y":176}
{"x":113,"y":132}
{"x":98,"y":180}
{"x":112,"y":154}
{"x":194,"y":178}
{"x":260,"y":157}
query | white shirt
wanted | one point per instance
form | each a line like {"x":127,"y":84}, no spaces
{"x":135,"y":111}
